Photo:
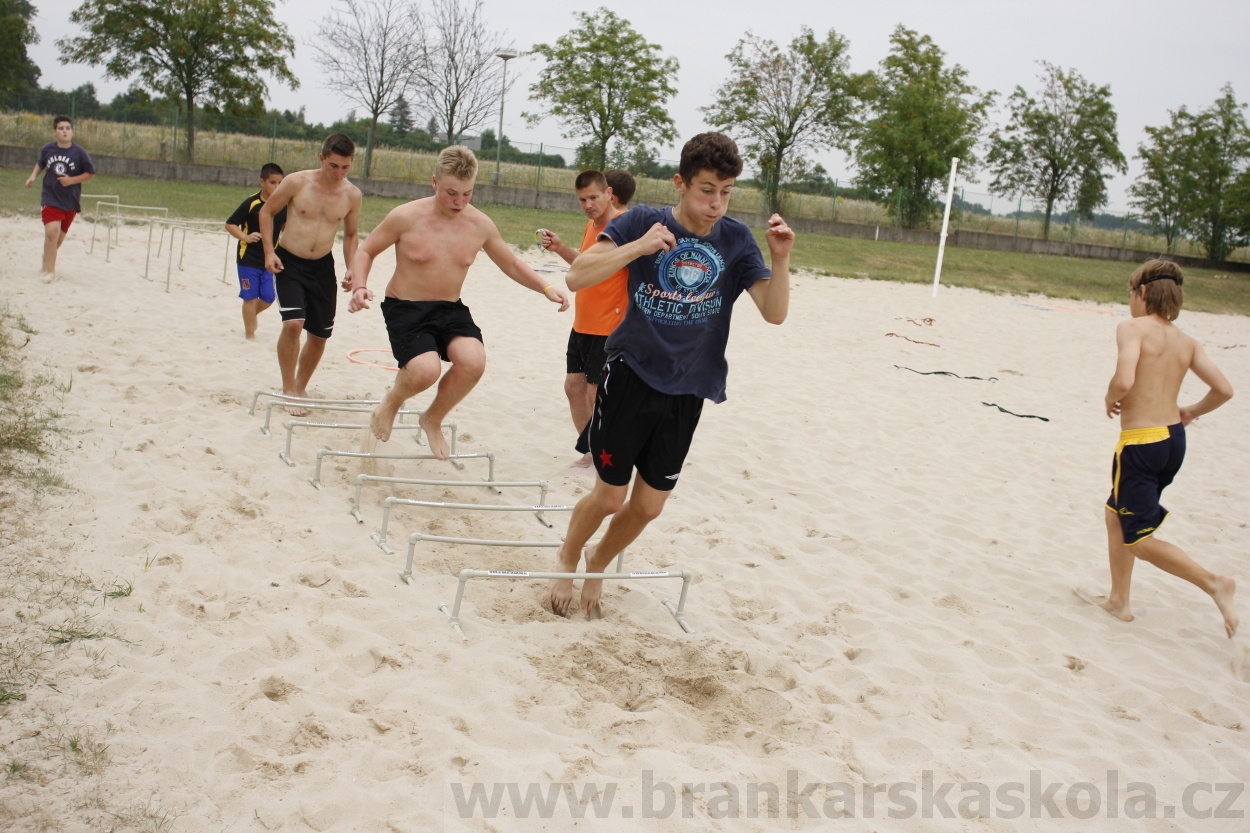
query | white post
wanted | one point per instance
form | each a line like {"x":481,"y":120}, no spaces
{"x":946,"y":221}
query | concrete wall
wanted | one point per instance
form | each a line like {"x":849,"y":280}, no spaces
{"x":18,"y":157}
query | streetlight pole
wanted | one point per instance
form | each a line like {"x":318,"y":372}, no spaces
{"x":506,"y":55}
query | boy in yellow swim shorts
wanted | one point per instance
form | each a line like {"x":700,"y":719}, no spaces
{"x":1154,"y":356}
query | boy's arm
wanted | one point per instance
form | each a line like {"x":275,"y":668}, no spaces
{"x":1128,"y":345}
{"x":351,"y":239}
{"x":279,"y":199}
{"x":604,"y":259}
{"x":67,"y":181}
{"x":515,"y":268}
{"x":236,"y":232}
{"x":34,"y":172}
{"x":1220,"y":389}
{"x":772,"y":296}
{"x":385,"y":235}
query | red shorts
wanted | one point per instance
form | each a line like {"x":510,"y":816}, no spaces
{"x":58,"y":215}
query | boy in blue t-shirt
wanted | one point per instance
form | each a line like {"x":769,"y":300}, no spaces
{"x":255,"y":282}
{"x":65,"y":166}
{"x":687,"y":266}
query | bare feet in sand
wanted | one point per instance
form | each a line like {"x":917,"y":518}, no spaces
{"x":560,"y":590}
{"x":1119,"y":611}
{"x":47,"y":277}
{"x":382,"y":420}
{"x":592,"y":588}
{"x":293,"y":409}
{"x":1223,"y":595}
{"x":583,"y":462}
{"x":433,"y":430}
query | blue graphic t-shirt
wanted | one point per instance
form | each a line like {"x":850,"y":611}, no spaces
{"x":58,"y":162}
{"x":677,"y":323}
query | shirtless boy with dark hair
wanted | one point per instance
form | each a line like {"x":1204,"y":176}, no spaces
{"x":1154,"y":356}
{"x":316,"y":201}
{"x":436,"y":240}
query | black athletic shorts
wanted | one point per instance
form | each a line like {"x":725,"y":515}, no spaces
{"x":417,"y":327}
{"x":1145,"y":463}
{"x":636,"y":426}
{"x":586,"y":354}
{"x":307,"y":291}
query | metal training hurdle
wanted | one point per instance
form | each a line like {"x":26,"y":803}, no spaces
{"x":344,"y":409}
{"x":100,"y":199}
{"x":117,"y":219}
{"x":454,"y":459}
{"x":495,"y":486}
{"x":379,"y":537}
{"x":174,"y":226}
{"x":291,"y":425}
{"x":678,"y":612}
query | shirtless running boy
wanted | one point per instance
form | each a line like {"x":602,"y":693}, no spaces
{"x":436,"y":240}
{"x":1154,"y":357}
{"x":303,"y":264}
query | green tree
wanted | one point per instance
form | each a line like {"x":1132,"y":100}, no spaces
{"x":210,"y":50}
{"x":401,"y":117}
{"x":605,"y":81}
{"x":1217,"y":150}
{"x":921,"y":113}
{"x":1059,"y":147}
{"x":1161,"y":192}
{"x":17,"y":71}
{"x":782,"y":103}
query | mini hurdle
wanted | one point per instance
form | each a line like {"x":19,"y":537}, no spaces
{"x":285,"y":455}
{"x":678,"y":612}
{"x":454,"y":459}
{"x":100,"y":199}
{"x":379,"y":537}
{"x":118,"y":217}
{"x":287,"y":399}
{"x":343,"y":409}
{"x":494,"y":486}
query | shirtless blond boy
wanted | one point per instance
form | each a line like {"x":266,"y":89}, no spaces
{"x":436,"y":240}
{"x":316,"y":202}
{"x":1154,"y":356}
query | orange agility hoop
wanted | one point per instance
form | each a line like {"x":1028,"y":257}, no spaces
{"x":351,"y":357}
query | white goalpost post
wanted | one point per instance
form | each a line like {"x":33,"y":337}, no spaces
{"x":946,"y":221}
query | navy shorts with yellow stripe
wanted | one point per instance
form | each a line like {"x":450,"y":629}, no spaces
{"x":1146,"y":460}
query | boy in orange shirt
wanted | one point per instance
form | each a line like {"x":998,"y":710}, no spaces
{"x":596,"y":311}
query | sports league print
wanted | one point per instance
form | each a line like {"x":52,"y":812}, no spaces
{"x":688,"y":291}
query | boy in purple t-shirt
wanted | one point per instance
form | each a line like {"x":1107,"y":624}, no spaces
{"x":687,"y":266}
{"x":66,"y":167}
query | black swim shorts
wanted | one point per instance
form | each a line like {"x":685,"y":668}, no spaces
{"x":586,"y":354}
{"x":1146,"y":460}
{"x":417,"y":327}
{"x":636,"y":426}
{"x":307,"y":291}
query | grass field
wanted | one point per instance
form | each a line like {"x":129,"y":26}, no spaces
{"x":1005,"y":272}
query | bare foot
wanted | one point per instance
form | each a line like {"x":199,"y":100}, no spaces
{"x":592,"y":588}
{"x":583,"y":462}
{"x":293,"y":409}
{"x":1223,"y":595}
{"x":382,"y":420}
{"x":560,"y":590}
{"x":47,"y":277}
{"x":433,"y":431}
{"x":1119,"y":611}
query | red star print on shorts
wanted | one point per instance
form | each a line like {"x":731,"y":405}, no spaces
{"x":605,"y":458}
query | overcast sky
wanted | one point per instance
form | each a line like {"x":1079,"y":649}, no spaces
{"x":1157,"y":56}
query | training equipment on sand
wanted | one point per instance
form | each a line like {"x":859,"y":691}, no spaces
{"x":453,"y":614}
{"x":351,"y":357}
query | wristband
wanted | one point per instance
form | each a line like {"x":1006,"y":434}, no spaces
{"x":357,"y":289}
{"x":546,"y":289}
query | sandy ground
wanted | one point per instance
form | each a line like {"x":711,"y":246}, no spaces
{"x":884,"y":566}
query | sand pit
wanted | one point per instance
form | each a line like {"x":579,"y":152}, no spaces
{"x":883,"y":597}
